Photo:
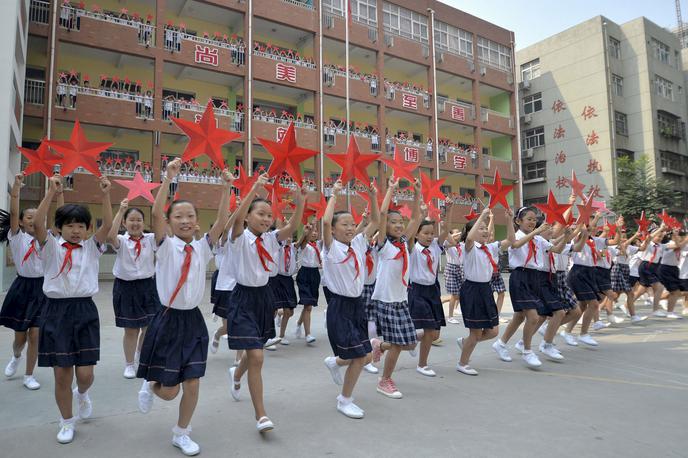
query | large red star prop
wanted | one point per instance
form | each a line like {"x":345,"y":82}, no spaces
{"x":669,"y":221}
{"x":431,"y":188}
{"x":353,"y":163}
{"x":279,"y":207}
{"x":554,"y":211}
{"x":40,"y":160}
{"x":434,"y":213}
{"x":600,"y":206}
{"x":497,"y":191}
{"x":405,"y":211}
{"x":402,"y":169}
{"x":78,"y":151}
{"x":358,"y":217}
{"x":611,"y":230}
{"x":585,"y":211}
{"x":287,"y":155}
{"x":244,"y":183}
{"x":576,"y":186}
{"x":138,"y":187}
{"x":471,"y":215}
{"x":643,"y":223}
{"x":276,"y":192}
{"x":316,"y":209}
{"x":380,"y":198}
{"x":205,"y":137}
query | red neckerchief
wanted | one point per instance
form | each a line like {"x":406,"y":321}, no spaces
{"x":654,"y":254}
{"x":263,"y":254}
{"x":317,"y":251}
{"x":186,"y":265}
{"x":137,"y":247}
{"x":428,"y":260}
{"x":402,"y":254}
{"x":67,"y":262}
{"x":32,"y":250}
{"x":532,"y":252}
{"x":370,"y":262}
{"x":287,"y":257}
{"x":593,"y":250}
{"x":495,"y":268}
{"x":350,"y":253}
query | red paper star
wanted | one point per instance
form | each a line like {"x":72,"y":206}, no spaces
{"x":576,"y":186}
{"x":471,"y":215}
{"x":643,"y":223}
{"x":585,"y":211}
{"x":405,"y":211}
{"x":611,"y":230}
{"x":276,"y":192}
{"x":40,"y":160}
{"x":353,"y":163}
{"x":279,"y":207}
{"x":668,"y":220}
{"x":138,"y":187}
{"x":78,"y":151}
{"x":431,"y":188}
{"x":244,"y":183}
{"x":232,"y":202}
{"x":316,"y":209}
{"x":554,"y":211}
{"x":287,"y":155}
{"x":497,"y":191}
{"x":358,"y":217}
{"x":434,"y":213}
{"x":402,"y":169}
{"x":205,"y":137}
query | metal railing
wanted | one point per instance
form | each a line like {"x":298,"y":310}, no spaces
{"x":284,"y":122}
{"x":70,"y":18}
{"x":39,"y":11}
{"x":279,"y":58}
{"x":443,"y":101}
{"x":34,"y":92}
{"x":308,"y":4}
{"x":485,"y":114}
{"x":144,"y":105}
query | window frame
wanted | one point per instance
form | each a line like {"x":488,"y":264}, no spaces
{"x":661,"y":51}
{"x":617,"y":85}
{"x":534,"y":137}
{"x":664,"y":87}
{"x":533,"y":100}
{"x":530,"y":68}
{"x":404,"y":22}
{"x":621,"y":123}
{"x":614,"y":47}
{"x":445,"y":33}
{"x":494,"y":54}
{"x":538,"y":170}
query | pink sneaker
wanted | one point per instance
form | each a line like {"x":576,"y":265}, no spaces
{"x":388,"y":388}
{"x":377,"y":350}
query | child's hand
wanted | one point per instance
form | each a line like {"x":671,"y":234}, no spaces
{"x":55,"y":183}
{"x":620,"y":221}
{"x":104,"y":184}
{"x":262,"y":180}
{"x":416,"y":186}
{"x":19,"y":180}
{"x":392,"y":182}
{"x":486,"y":212}
{"x":227,"y":178}
{"x":124,"y":204}
{"x":544,"y":227}
{"x":509,"y":212}
{"x":173,"y":168}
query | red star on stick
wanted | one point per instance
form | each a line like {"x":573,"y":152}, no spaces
{"x":643,"y":223}
{"x":316,"y":209}
{"x":353,"y":163}
{"x":244,"y":183}
{"x":576,"y":186}
{"x":554,"y":211}
{"x":611,"y":230}
{"x":40,"y":160}
{"x":232,"y":202}
{"x":276,"y":192}
{"x":471,"y":215}
{"x":287,"y":155}
{"x":402,"y":169}
{"x":279,"y":207}
{"x":434,"y":213}
{"x":431,"y":188}
{"x":585,"y":211}
{"x":497,"y":191}
{"x":78,"y":151}
{"x":380,"y":198}
{"x":600,"y":206}
{"x":138,"y":187}
{"x":667,"y":219}
{"x":358,"y":217}
{"x":205,"y":137}
{"x":405,"y":211}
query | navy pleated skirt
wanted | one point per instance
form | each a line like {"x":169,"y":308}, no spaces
{"x":425,"y":306}
{"x":603,"y":277}
{"x":478,"y":306}
{"x":250,"y":319}
{"x":347,"y":329}
{"x":648,"y":273}
{"x":23,"y":304}
{"x":213,"y":283}
{"x":549,"y":296}
{"x":221,"y":304}
{"x":668,"y":275}
{"x":69,"y":334}
{"x":523,"y":289}
{"x":308,"y":281}
{"x":135,"y":302}
{"x":175,"y":348}
{"x":582,"y":281}
{"x":284,"y":291}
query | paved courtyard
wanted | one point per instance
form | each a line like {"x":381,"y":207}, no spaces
{"x":627,"y":398}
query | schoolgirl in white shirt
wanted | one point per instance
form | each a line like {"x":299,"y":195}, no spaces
{"x":453,"y":272}
{"x":649,"y":265}
{"x":175,"y":348}
{"x":69,"y":339}
{"x":285,"y":291}
{"x":308,"y":279}
{"x":134,"y":295}
{"x":668,"y":269}
{"x":621,"y":274}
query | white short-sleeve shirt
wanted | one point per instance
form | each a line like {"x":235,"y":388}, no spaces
{"x":308,"y":255}
{"x":371,"y":274}
{"x":249,"y":270}
{"x":683,"y":264}
{"x":622,"y":258}
{"x":518,"y":256}
{"x":477,"y":266}
{"x":20,"y":244}
{"x":670,"y":256}
{"x":561,"y":260}
{"x":585,"y":256}
{"x":454,"y":253}
{"x":419,"y":270}
{"x":634,"y":263}
{"x":604,"y":260}
{"x":652,"y":253}
{"x":542,"y":252}
{"x":286,"y":266}
{"x":390,"y":286}
{"x":340,"y":275}
{"x":170,"y":258}
{"x":127,"y":266}
{"x":79,"y":281}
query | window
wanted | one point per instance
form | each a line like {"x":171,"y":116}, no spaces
{"x":617,"y":85}
{"x":660,"y":51}
{"x":530,"y":70}
{"x":614,"y":48}
{"x":333,"y":6}
{"x":364,"y":11}
{"x":673,"y":161}
{"x":494,"y":54}
{"x":670,"y":126}
{"x":467,"y":192}
{"x":532,"y":103}
{"x":405,"y":22}
{"x":630,"y":155}
{"x":454,"y":40}
{"x":535,"y":170}
{"x":664,"y":87}
{"x":533,"y":138}
{"x":178,"y":95}
{"x":621,"y":123}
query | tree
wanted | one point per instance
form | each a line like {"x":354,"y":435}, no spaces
{"x":639,"y":189}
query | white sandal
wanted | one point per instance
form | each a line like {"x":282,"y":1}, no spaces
{"x":264,"y":425}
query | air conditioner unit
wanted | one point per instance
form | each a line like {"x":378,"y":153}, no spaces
{"x":440,"y":57}
{"x":528,"y":153}
{"x":483,"y":70}
{"x":527,"y":119}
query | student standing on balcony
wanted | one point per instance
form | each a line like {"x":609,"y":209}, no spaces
{"x":72,"y":93}
{"x":61,"y":92}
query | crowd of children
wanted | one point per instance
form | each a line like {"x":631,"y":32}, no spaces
{"x":380,"y":280}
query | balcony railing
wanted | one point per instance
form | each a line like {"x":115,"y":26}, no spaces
{"x":442,"y":103}
{"x":485,"y":114}
{"x":283,"y":122}
{"x":34,"y":92}
{"x":308,"y":4}
{"x":172,"y":109}
{"x":70,"y":18}
{"x":39,"y":11}
{"x":287,"y":60}
{"x":330,"y":74}
{"x":143,"y":104}
{"x":173,"y":42}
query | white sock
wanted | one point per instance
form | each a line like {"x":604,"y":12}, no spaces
{"x":80,"y":395}
{"x":179,"y":431}
{"x":69,"y":421}
{"x":344,"y":400}
{"x":501,"y":343}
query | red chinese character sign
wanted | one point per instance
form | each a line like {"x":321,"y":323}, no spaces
{"x":280,"y":133}
{"x":206,"y":55}
{"x":588,"y":112}
{"x":409,"y":101}
{"x":285,"y":73}
{"x":411,"y":154}
{"x":560,"y":157}
{"x":558,"y":106}
{"x":592,"y":138}
{"x":559,"y":132}
{"x":458,"y":113}
{"x":459,"y":162}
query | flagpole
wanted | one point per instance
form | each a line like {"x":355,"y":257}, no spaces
{"x":347,"y":18}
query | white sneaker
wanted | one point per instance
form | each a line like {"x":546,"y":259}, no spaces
{"x":570,"y":339}
{"x":270,"y":348}
{"x":519,"y":347}
{"x":66,"y":433}
{"x":272,"y":342}
{"x":624,"y":309}
{"x":673,"y":316}
{"x":531,"y":359}
{"x":598,"y":325}
{"x":146,"y":397}
{"x":310,"y":339}
{"x":11,"y":368}
{"x":85,"y":405}
{"x":129,"y":371}
{"x":613,"y":319}
{"x":587,"y":340}
{"x":413,"y":352}
{"x":31,"y":383}
{"x":186,"y":445}
{"x":350,"y":409}
{"x":664,"y":304}
{"x":284,"y":341}
{"x":550,"y":351}
{"x":453,"y":320}
{"x":233,"y":390}
{"x":543,"y":329}
{"x":502,"y":351}
{"x":685,"y":311}
{"x":264,"y":425}
{"x":659,"y":314}
{"x":335,"y":372}
{"x":425,"y":371}
{"x":369,"y":368}
{"x":468,"y":370}
{"x":298,"y":333}
{"x":636,"y":319}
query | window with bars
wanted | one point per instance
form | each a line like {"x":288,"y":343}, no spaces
{"x":334,"y":6}
{"x":614,"y":46}
{"x":621,"y":123}
{"x":617,"y":85}
{"x":364,"y":11}
{"x":532,"y":103}
{"x":452,"y":39}
{"x":535,"y":170}
{"x":664,"y":87}
{"x":405,"y":22}
{"x":530,"y":70}
{"x":661,"y":51}
{"x":532,"y":138}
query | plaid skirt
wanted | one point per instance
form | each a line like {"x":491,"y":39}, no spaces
{"x":394,"y":323}
{"x":564,"y":292}
{"x":497,"y":283}
{"x":621,"y":278}
{"x":453,"y":278}
{"x":368,"y":303}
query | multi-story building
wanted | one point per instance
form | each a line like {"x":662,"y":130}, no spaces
{"x":596,"y":92}
{"x":14,"y":21}
{"x":434,"y":79}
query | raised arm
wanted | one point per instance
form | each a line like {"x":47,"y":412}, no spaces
{"x":242,"y":211}
{"x":416,"y":215}
{"x":528,"y":237}
{"x":510,"y":232}
{"x":582,"y":237}
{"x":490,"y":228}
{"x":303,"y":241}
{"x":287,"y":231}
{"x":444,"y":225}
{"x":329,"y":214}
{"x":617,"y":236}
{"x":14,"y":202}
{"x":159,"y":219}
{"x":392,"y":185}
{"x":558,"y":227}
{"x":374,"y":219}
{"x":218,"y":228}
{"x":102,"y":232}
{"x":116,"y":223}
{"x":362,"y":225}
{"x":41,"y":218}
{"x":473,"y":233}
